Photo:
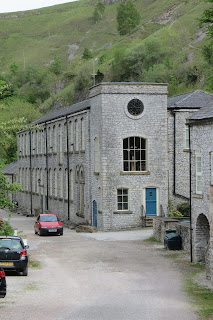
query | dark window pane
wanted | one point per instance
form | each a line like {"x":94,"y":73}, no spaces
{"x":126,"y":166}
{"x":138,"y":167}
{"x":137,"y":143}
{"x":119,"y":198}
{"x":125,"y":191}
{"x":143,"y":144}
{"x":125,"y":143}
{"x":143,"y":165}
{"x":125,"y":199}
{"x":119,"y":206}
{"x":143,"y":155}
{"x":137,"y":154}
{"x":119,"y":191}
{"x":125,"y":206}
{"x":132,"y":143}
{"x":132,"y":155}
{"x":125,"y":155}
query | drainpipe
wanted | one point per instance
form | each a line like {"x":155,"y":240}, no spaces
{"x":190,"y":192}
{"x":68,"y":172}
{"x":31,"y":181}
{"x":47,"y":168}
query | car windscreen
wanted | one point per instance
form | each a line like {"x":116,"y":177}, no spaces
{"x":48,"y":218}
{"x":10,"y":243}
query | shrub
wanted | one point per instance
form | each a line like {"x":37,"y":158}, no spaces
{"x":184,"y":208}
{"x":175,"y":213}
{"x":6,"y":229}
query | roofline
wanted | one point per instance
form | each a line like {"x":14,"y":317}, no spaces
{"x":129,"y":83}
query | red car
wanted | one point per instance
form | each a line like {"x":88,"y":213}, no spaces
{"x":48,"y":223}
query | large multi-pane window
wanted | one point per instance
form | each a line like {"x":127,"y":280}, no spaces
{"x":198,"y":173}
{"x":82,"y":134}
{"x":134,"y":154}
{"x":122,"y":199}
{"x":187,"y":137}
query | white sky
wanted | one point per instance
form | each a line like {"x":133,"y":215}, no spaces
{"x":21,"y":5}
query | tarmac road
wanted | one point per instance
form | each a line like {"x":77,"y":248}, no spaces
{"x":103,"y":276}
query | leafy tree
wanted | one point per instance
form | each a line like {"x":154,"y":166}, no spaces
{"x":207,"y":18}
{"x":14,"y":67}
{"x":5,"y":228}
{"x":87,"y":54}
{"x":5,"y":90}
{"x":208,"y":52}
{"x":56,"y":66}
{"x":128,"y":17}
{"x":5,"y":189}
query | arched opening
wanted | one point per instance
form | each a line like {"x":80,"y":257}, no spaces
{"x":202,"y":235}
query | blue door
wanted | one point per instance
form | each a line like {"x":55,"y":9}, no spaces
{"x":94,"y":213}
{"x":151,"y":201}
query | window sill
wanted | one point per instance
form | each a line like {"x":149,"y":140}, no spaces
{"x":135,"y":173}
{"x":123,"y":212}
{"x":198,"y":196}
{"x":96,"y":173}
{"x":186,"y":150}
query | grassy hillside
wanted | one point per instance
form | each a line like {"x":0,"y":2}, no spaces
{"x":165,"y":47}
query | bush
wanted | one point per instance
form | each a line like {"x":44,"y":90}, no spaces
{"x":184,"y":208}
{"x":6,"y":229}
{"x":175,"y":213}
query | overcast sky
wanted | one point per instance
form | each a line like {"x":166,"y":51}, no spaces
{"x":21,"y":5}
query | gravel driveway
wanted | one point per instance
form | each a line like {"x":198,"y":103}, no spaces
{"x":103,"y":276}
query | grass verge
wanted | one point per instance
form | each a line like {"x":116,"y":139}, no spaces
{"x":152,"y":240}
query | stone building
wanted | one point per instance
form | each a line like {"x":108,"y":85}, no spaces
{"x":179,"y":109}
{"x":201,"y":141}
{"x":102,"y":161}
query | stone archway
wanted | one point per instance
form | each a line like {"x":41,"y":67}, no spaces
{"x":202,"y":237}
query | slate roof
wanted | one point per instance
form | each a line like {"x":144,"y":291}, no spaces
{"x":205,"y":112}
{"x":191,"y":100}
{"x":64,"y":111}
{"x":11,"y":168}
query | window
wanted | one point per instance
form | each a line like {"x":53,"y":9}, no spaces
{"x":54,"y":140}
{"x":37,"y":142}
{"x":71,"y":136}
{"x":51,"y":182}
{"x":26,"y":181}
{"x":56,"y":183}
{"x":60,"y":144}
{"x":122,"y":199}
{"x":33,"y":178}
{"x":198,"y":173}
{"x":76,"y":135}
{"x":66,"y":184}
{"x":187,"y":137}
{"x":50,"y":139}
{"x":211,"y":154}
{"x":96,"y":156}
{"x":61,"y":183}
{"x":135,"y":107}
{"x":65,"y":137}
{"x":71,"y":185}
{"x":82,"y":135}
{"x":134,"y":154}
{"x":45,"y":139}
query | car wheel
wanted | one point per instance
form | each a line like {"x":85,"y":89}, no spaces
{"x":61,"y":234}
{"x":2,"y":295}
{"x":25,"y":272}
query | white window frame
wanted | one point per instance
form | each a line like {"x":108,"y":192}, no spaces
{"x":198,"y":167}
{"x":134,"y":157}
{"x":122,"y":194}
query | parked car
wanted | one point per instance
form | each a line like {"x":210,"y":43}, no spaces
{"x":3,"y":285}
{"x":48,"y":223}
{"x":13,"y":254}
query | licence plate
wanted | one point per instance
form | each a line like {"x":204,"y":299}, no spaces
{"x":52,"y":230}
{"x":6,"y":263}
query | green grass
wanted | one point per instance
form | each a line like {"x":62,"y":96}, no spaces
{"x":152,"y":240}
{"x":34,"y":264}
{"x":202,"y":296}
{"x":31,"y":287}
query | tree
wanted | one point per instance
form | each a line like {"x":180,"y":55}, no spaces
{"x":5,"y":189}
{"x":5,"y":90}
{"x":87,"y":54}
{"x":14,"y":67}
{"x":208,"y":18}
{"x":127,"y":17}
{"x":56,"y":66}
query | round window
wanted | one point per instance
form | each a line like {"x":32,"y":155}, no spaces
{"x":135,"y":107}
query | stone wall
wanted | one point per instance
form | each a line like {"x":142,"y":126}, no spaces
{"x":160,"y":225}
